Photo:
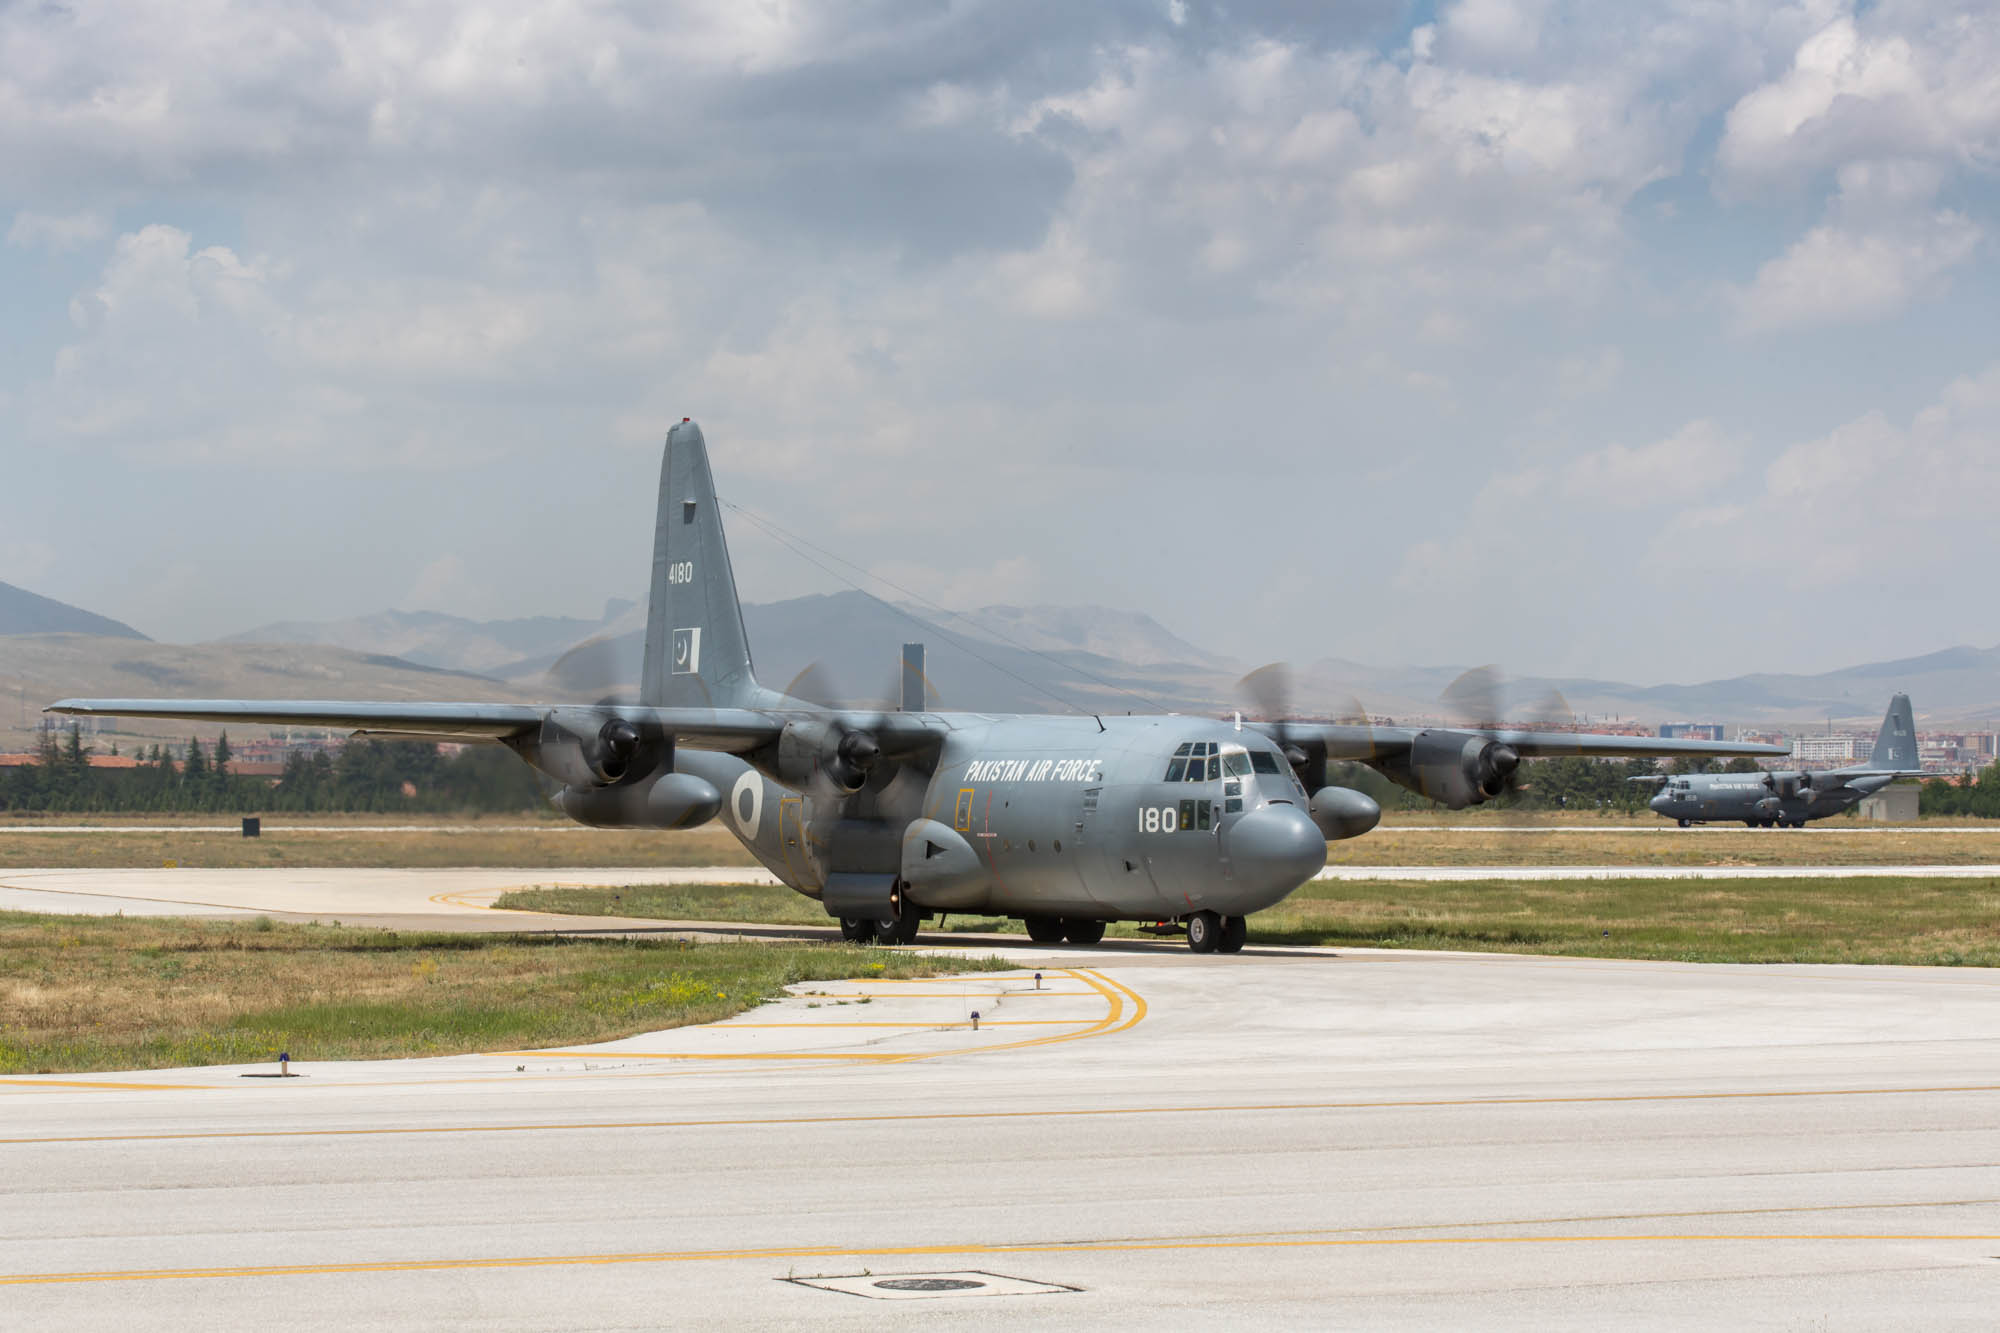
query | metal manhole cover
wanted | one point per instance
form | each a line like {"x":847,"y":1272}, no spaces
{"x":929,"y":1286}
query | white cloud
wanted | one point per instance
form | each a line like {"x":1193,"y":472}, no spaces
{"x":1692,"y":461}
{"x":57,"y":233}
{"x":961,"y":282}
{"x":1834,"y":274}
{"x":1870,"y":498}
{"x":1899,"y":82}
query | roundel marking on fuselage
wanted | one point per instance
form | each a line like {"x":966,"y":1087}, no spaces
{"x":746,"y":802}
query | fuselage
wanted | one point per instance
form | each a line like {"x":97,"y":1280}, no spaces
{"x":1123,"y":818}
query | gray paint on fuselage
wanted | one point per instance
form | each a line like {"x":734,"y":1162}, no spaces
{"x":1056,"y":808}
{"x":1710,"y":797}
{"x":1793,"y":796}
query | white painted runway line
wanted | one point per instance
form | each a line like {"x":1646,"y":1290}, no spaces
{"x":1374,"y":1139}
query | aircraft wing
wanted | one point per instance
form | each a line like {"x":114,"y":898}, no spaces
{"x":733,"y":729}
{"x":1557,"y":744}
{"x":1346,"y":741}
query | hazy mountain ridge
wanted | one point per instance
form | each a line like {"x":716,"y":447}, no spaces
{"x":437,"y":639}
{"x":995,"y":659}
{"x":24,"y":612}
{"x":38,"y":669}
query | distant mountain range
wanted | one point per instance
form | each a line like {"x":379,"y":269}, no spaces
{"x":24,"y":612}
{"x":1036,"y":658}
{"x":997,"y":659}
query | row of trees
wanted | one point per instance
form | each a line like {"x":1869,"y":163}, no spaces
{"x":1981,"y":796}
{"x":364,"y":776}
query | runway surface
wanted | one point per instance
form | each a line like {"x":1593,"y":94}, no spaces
{"x":1363,"y":1139}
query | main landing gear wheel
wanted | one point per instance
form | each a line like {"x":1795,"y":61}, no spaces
{"x":1082,"y":932}
{"x":1235,"y":930}
{"x":1682,"y":822}
{"x":1204,"y":930}
{"x":1044,"y":929}
{"x":855,"y":930}
{"x":900,"y":928}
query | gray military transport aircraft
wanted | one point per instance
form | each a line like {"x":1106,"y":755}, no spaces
{"x":889,"y":818}
{"x":1788,"y":799}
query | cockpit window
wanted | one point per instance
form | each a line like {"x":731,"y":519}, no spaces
{"x":1235,"y":762}
{"x":1265,"y":762}
{"x":1195,"y":761}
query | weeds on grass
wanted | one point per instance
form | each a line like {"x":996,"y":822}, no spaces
{"x":143,"y":993}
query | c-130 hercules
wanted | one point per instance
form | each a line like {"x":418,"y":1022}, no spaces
{"x":1787,"y":799}
{"x":891,"y":817}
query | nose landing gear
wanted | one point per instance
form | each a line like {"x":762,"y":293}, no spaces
{"x":1211,"y":932}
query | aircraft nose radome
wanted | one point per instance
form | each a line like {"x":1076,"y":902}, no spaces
{"x":1276,"y":849}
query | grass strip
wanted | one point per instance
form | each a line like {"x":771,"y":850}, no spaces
{"x":316,"y":844}
{"x":99,"y":993}
{"x":1887,"y":919}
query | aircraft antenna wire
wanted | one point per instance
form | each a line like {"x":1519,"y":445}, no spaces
{"x":787,"y":539}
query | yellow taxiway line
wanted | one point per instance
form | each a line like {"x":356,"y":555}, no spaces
{"x":975,"y":1249}
{"x":1115,"y":1020}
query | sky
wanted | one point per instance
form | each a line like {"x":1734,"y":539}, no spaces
{"x":1644,"y":341}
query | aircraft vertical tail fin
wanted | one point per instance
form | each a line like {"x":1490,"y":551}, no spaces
{"x":1896,"y":743}
{"x":697,"y":655}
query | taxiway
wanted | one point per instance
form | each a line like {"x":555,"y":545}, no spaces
{"x":1380,"y":1139}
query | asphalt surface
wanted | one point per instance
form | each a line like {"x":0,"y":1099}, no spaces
{"x":1361,"y":1138}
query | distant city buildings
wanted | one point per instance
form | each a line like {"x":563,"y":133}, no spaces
{"x":1826,"y":748}
{"x":1691,"y":731}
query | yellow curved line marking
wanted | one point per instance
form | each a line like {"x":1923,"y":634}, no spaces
{"x":1114,"y":1020}
{"x":615,"y":1057}
{"x":971,"y":1248}
{"x":984,"y":1023}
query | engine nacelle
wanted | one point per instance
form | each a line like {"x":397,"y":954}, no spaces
{"x":1342,"y":812}
{"x":585,"y":748}
{"x":845,"y":756}
{"x":1454,"y":768}
{"x":672,"y":800}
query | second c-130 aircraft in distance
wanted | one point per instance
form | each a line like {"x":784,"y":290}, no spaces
{"x":1788,"y":798}
{"x":891,"y":817}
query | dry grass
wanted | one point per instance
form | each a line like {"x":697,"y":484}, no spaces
{"x":111,"y":993}
{"x":1927,"y":922}
{"x":318,"y":843}
{"x":1487,"y":842}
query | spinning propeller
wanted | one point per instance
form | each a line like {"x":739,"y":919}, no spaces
{"x":593,"y":745}
{"x":844,"y":750}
